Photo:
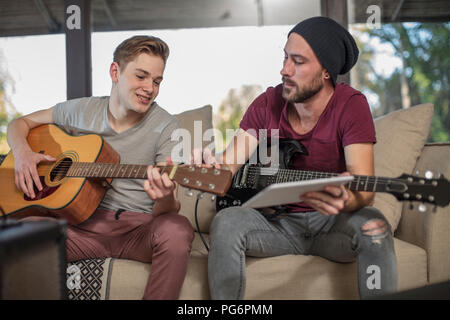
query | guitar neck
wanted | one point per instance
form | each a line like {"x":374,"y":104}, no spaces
{"x":211,"y":180}
{"x":111,"y":170}
{"x":360,"y":183}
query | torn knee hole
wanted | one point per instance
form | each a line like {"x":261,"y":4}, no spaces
{"x":374,"y":227}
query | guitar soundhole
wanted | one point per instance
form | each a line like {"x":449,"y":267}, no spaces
{"x":59,"y":172}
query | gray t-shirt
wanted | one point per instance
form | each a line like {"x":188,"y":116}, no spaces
{"x":148,"y":143}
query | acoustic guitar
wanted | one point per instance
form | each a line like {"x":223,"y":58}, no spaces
{"x":75,"y":184}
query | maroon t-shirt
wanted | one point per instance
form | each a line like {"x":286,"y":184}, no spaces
{"x":346,"y":120}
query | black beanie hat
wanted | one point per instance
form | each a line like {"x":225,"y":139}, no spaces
{"x":333,"y":45}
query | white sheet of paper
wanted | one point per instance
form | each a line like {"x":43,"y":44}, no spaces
{"x":289,"y":192}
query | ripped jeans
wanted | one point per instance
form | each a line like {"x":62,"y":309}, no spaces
{"x":364,"y":235}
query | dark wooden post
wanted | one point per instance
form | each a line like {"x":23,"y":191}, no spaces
{"x":77,"y":26}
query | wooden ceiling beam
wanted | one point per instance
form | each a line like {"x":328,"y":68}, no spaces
{"x":52,"y":24}
{"x":109,"y":13}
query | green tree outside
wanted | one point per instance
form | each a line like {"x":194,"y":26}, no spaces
{"x":231,"y":111}
{"x":424,"y":50}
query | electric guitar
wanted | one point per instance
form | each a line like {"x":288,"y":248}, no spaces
{"x":252,"y":178}
{"x":74,"y":185}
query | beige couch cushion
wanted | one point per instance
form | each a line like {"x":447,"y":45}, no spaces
{"x":207,"y":205}
{"x":206,"y":208}
{"x":400,"y":139}
{"x":429,"y":230}
{"x":127,"y":280}
{"x":188,"y":118}
{"x":313,"y":277}
{"x":282,"y":277}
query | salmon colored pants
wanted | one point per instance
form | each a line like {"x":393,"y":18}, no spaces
{"x":165,"y":241}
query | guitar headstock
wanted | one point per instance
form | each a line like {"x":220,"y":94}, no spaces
{"x":425,"y":189}
{"x":211,"y":180}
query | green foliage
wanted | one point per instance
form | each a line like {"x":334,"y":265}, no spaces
{"x":232,"y":109}
{"x":424,"y":51}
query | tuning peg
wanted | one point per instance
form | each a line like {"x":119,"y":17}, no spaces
{"x":189,"y":193}
{"x":428,"y":174}
{"x":417,"y":172}
{"x":200,"y":195}
{"x":422,"y":208}
{"x":213,"y":198}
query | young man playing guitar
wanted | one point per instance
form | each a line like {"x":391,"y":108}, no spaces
{"x":136,"y":220}
{"x":334,"y":123}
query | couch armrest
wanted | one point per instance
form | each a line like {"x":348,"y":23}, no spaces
{"x":430,"y":230}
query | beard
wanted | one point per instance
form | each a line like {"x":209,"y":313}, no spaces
{"x":301,"y":94}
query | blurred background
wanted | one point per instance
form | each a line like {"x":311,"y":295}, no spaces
{"x":223,"y":53}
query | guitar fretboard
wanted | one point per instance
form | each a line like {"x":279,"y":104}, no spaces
{"x":109,"y":170}
{"x":360,"y":183}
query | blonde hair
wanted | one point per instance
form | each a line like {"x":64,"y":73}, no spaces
{"x":130,"y":48}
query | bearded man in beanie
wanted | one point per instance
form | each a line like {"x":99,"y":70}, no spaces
{"x":334,"y":123}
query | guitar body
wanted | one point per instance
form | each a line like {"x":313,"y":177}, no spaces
{"x":241,"y":191}
{"x":70,"y":198}
{"x":235,"y":197}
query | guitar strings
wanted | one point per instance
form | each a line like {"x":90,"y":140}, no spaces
{"x":64,"y":166}
{"x":312,"y":175}
{"x":304,"y":174}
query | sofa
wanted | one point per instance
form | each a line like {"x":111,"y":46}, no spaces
{"x":422,"y":240}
